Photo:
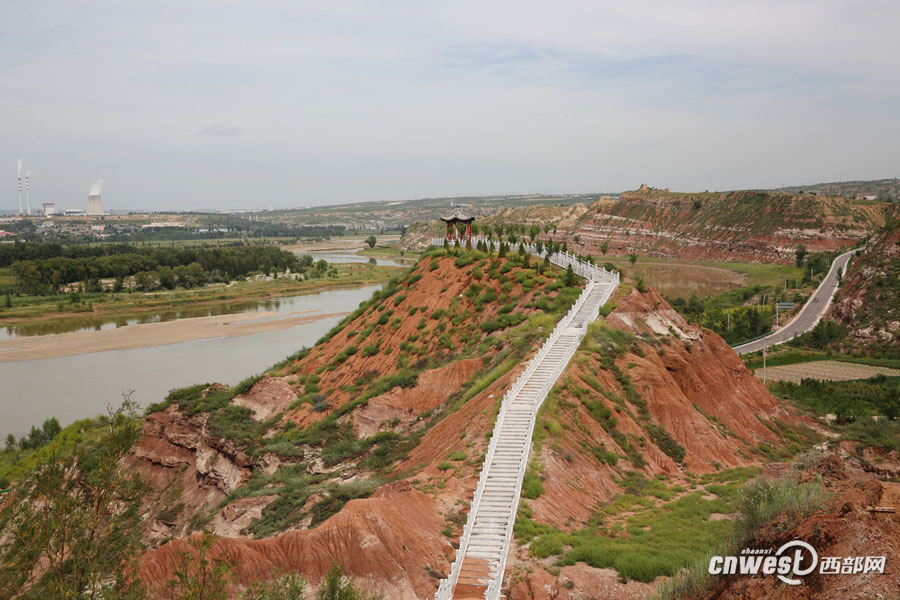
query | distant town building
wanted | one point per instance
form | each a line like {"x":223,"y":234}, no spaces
{"x":49,"y":209}
{"x":74,"y":212}
{"x":160,"y":224}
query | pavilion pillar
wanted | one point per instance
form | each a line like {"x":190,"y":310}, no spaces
{"x":449,"y":234}
{"x":469,"y":231}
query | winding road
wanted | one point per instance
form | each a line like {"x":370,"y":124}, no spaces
{"x":809,"y":315}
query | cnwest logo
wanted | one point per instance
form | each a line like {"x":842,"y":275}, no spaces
{"x":792,"y":560}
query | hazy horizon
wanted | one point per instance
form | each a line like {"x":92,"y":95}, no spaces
{"x":181,"y":106}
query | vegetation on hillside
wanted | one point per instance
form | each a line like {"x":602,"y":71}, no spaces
{"x":738,"y":215}
{"x":654,"y":528}
{"x":73,"y":527}
{"x":853,"y":404}
{"x":507,"y":306}
{"x":868,"y":301}
{"x":759,"y":503}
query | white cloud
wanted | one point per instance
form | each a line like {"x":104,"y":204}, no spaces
{"x":357,"y":100}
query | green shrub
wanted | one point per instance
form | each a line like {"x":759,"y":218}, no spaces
{"x":370,"y":349}
{"x":547,"y":545}
{"x":531,"y":486}
{"x":464,"y":260}
{"x":665,"y":442}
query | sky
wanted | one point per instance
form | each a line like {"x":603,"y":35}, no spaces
{"x":188,"y":104}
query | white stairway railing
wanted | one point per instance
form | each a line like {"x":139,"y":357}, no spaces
{"x":484,"y":544}
{"x":582,"y":268}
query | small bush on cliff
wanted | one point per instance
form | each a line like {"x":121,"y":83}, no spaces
{"x":531,"y":486}
{"x":337,"y":497}
{"x":198,"y":575}
{"x":665,"y":442}
{"x":336,"y":586}
{"x":287,"y":586}
{"x":763,"y":501}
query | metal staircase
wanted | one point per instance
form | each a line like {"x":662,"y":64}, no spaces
{"x":480,"y":560}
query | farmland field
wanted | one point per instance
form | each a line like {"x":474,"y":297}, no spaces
{"x":824,"y":370}
{"x":681,"y":279}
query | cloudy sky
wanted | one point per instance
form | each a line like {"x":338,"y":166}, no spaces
{"x":186,"y":104}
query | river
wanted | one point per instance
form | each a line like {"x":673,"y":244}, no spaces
{"x":90,"y":322}
{"x":75,"y":387}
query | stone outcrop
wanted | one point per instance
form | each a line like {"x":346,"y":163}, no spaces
{"x":868,"y":301}
{"x":387,"y":544}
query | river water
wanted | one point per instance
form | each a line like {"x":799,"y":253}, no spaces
{"x":90,"y":322}
{"x":74,"y":387}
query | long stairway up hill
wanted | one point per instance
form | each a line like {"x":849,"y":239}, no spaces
{"x":480,"y":561}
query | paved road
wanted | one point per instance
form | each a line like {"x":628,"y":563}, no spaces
{"x":809,"y":315}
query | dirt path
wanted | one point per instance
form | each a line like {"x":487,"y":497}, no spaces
{"x":150,"y":334}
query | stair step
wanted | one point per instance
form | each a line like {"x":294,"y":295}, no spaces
{"x":489,"y":538}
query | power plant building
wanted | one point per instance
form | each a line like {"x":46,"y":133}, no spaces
{"x":95,"y":208}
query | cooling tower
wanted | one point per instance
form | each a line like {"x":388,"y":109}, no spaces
{"x":95,"y":209}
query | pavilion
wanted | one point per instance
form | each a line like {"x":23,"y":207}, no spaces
{"x":453,"y":220}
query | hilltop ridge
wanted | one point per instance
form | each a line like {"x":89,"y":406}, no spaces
{"x":648,"y":395}
{"x":743,"y":225}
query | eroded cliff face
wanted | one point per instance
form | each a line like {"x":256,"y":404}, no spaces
{"x":616,"y":394}
{"x":693,"y":385}
{"x":746,"y":225}
{"x":643,"y":363}
{"x":190,"y":470}
{"x":868,"y":301}
{"x":387,"y":544}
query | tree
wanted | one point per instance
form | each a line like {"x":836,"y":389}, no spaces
{"x":371,"y":241}
{"x":604,"y":247}
{"x":197,"y":574}
{"x":287,"y":586}
{"x":533,"y":231}
{"x":74,"y":529}
{"x":26,"y":275}
{"x":336,"y":586}
{"x":800,"y":253}
{"x":632,"y":258}
{"x":570,"y":279}
{"x":51,"y":429}
{"x":167,"y":278}
{"x":10,"y":442}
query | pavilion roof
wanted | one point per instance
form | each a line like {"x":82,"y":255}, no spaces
{"x":457,"y":215}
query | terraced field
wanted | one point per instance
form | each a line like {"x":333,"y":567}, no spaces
{"x":825,"y":370}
